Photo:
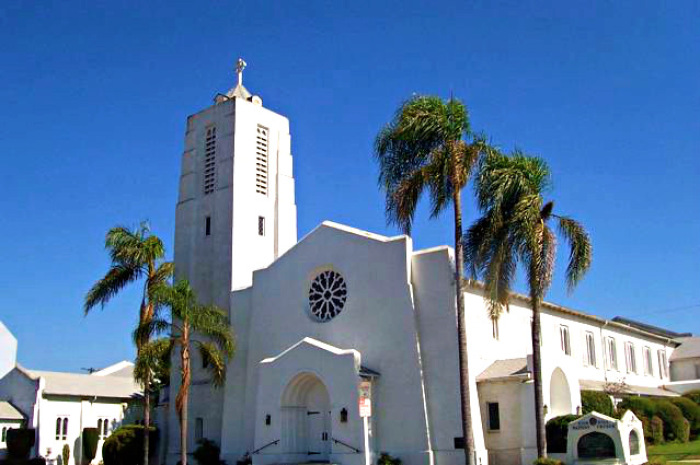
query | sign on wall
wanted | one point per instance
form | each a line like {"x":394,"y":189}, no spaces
{"x":365,"y":399}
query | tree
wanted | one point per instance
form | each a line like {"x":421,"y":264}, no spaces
{"x":189,"y":320}
{"x":429,"y":146}
{"x":135,"y":255}
{"x":515,"y":229}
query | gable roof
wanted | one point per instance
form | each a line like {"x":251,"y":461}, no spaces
{"x":502,"y":370}
{"x":77,"y":384}
{"x":689,"y":348}
{"x":9,"y":412}
{"x":650,"y":328}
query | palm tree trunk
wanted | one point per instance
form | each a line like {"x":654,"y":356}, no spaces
{"x":146,"y":418}
{"x":462,"y":337}
{"x":537,"y":372}
{"x":183,"y":394}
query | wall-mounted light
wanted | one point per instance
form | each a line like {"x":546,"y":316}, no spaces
{"x":545,"y":409}
{"x":268,"y":420}
{"x":343,"y":415}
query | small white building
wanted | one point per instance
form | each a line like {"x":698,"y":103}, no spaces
{"x":10,"y":418}
{"x":59,"y":405}
{"x":345,"y":317}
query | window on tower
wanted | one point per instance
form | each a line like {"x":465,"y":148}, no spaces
{"x":261,"y":225}
{"x":261,"y":152}
{"x":210,"y":161}
{"x":207,"y":226}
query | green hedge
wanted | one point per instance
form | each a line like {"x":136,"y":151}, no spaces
{"x":596,"y":401}
{"x":691,"y":412}
{"x":657,"y":430}
{"x":90,"y":438}
{"x":557,"y":431}
{"x":20,"y":442}
{"x":547,"y":461}
{"x":676,"y":427}
{"x":207,"y":453}
{"x":641,"y":406}
{"x":125,"y":445}
{"x":693,"y":395}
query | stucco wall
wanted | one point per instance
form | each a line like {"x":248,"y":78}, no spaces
{"x":8,"y":350}
{"x":686,"y":369}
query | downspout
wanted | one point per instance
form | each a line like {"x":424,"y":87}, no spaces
{"x":605,"y":352}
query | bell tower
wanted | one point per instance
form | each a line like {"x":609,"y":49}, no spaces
{"x":236,"y":211}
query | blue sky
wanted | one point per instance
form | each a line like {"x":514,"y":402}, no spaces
{"x":94,"y":98}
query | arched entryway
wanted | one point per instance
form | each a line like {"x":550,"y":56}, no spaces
{"x":306,"y":425}
{"x":559,"y":394}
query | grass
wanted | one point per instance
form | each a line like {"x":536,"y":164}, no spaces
{"x":673,"y":452}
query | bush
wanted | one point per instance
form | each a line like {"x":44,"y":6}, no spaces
{"x":547,"y":461}
{"x":125,"y":445}
{"x":557,"y":431}
{"x":691,"y":412}
{"x":207,"y":453}
{"x":386,"y":459}
{"x":657,"y":430}
{"x":65,"y":454}
{"x":675,"y":425}
{"x":641,"y":406}
{"x":596,"y":401}
{"x":90,"y":438}
{"x":693,"y":395}
{"x":20,"y":443}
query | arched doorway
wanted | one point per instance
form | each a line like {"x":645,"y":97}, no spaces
{"x":559,"y":394}
{"x":306,"y":425}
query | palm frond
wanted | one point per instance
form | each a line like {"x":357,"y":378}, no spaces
{"x":151,"y":358}
{"x":580,"y":250}
{"x":118,"y":276}
{"x":214,"y":361}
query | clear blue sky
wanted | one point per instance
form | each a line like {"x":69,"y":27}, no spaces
{"x":94,"y":97}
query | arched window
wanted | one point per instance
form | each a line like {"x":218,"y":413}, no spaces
{"x":634,"y":442}
{"x":59,"y":423}
{"x":65,"y":428}
{"x":105,"y":428}
{"x":596,"y":446}
{"x":99,"y":427}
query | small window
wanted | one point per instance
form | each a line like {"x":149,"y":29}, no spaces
{"x":634,"y":443}
{"x":4,"y":435}
{"x":590,"y":349}
{"x":59,"y":425}
{"x":207,"y":226}
{"x":611,"y":348}
{"x":565,"y":339}
{"x":648,"y":364}
{"x":697,"y":371}
{"x":199,"y":429}
{"x":261,"y":225}
{"x":99,"y":427}
{"x":65,"y":429}
{"x":205,"y":362}
{"x":630,"y":358}
{"x":663,"y":364}
{"x":494,"y":417}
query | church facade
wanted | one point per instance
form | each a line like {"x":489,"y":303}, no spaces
{"x":346,"y":340}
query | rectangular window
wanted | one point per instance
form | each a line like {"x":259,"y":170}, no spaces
{"x":210,"y":161}
{"x":261,"y":225}
{"x":261,"y":156}
{"x":663,"y":364}
{"x":648,"y":364}
{"x":207,"y":226}
{"x":494,"y":417}
{"x":611,"y":352}
{"x":630,"y":358}
{"x":198,"y":429}
{"x":565,"y":339}
{"x":590,"y":350}
{"x":697,"y":371}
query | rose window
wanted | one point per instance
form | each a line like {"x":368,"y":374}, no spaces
{"x":327,"y":295}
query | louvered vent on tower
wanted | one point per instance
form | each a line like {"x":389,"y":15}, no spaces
{"x":261,"y":152}
{"x":210,"y":161}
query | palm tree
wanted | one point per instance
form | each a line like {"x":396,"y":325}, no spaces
{"x":188,"y":321}
{"x":429,"y":146}
{"x":515,"y":229}
{"x":135,"y":254}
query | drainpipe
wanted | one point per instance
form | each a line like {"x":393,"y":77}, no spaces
{"x":605,"y":352}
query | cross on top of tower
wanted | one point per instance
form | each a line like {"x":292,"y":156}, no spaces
{"x":240,"y":66}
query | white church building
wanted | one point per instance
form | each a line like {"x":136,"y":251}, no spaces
{"x":345,"y":318}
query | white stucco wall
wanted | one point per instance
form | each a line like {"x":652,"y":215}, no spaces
{"x":8,"y":350}
{"x":685,"y":369}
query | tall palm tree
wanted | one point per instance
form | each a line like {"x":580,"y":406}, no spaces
{"x":135,"y":254}
{"x":189,"y":320}
{"x":429,"y":146}
{"x":515,"y":229}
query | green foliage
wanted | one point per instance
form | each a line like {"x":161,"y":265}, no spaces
{"x":20,"y":442}
{"x":90,"y":438}
{"x":640,"y":406}
{"x":597,"y":401}
{"x":37,"y":461}
{"x":65,"y":454}
{"x":386,"y":459}
{"x":657,"y":430}
{"x":675,"y":425}
{"x":693,"y":395}
{"x":557,"y":432}
{"x":691,"y":412}
{"x":207,"y":453}
{"x":125,"y":445}
{"x":547,"y":461}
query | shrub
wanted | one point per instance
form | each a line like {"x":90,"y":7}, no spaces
{"x":37,"y":461}
{"x":125,"y":445}
{"x":386,"y":459}
{"x":691,"y":412}
{"x":596,"y":401}
{"x":675,"y":426}
{"x":641,"y":406}
{"x":65,"y":454}
{"x":693,"y":395}
{"x":90,"y":438}
{"x":547,"y":461}
{"x":657,"y":430}
{"x":557,"y":432}
{"x":207,"y":453}
{"x":20,"y":443}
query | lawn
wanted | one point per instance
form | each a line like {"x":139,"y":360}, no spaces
{"x":674,"y":452}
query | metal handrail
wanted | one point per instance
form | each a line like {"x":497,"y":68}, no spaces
{"x":265,"y":446}
{"x":354,"y":449}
